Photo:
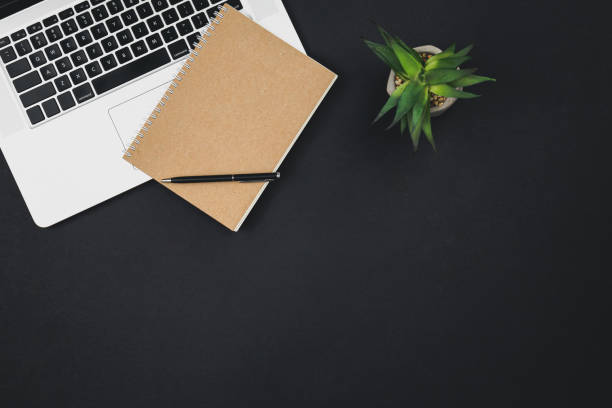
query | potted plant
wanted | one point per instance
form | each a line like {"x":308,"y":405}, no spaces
{"x":424,"y":82}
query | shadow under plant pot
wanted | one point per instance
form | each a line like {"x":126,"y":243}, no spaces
{"x":446,"y":103}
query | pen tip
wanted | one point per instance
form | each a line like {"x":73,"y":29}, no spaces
{"x":166,"y":180}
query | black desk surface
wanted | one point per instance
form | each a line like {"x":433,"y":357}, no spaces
{"x":369,"y":275}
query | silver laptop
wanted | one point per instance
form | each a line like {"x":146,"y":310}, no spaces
{"x":78,"y":79}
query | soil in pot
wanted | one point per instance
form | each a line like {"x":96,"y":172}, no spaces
{"x":434,"y":100}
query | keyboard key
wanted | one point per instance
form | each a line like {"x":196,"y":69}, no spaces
{"x":63,"y":65}
{"x":81,"y":6}
{"x":66,"y":100}
{"x":84,"y":38}
{"x":144,"y":10}
{"x":109,"y":44}
{"x":178,"y":49}
{"x":199,"y":20}
{"x":192,"y":40}
{"x":35,"y":115}
{"x":16,"y":36}
{"x":45,"y":91}
{"x":4,"y":41}
{"x":125,"y":37}
{"x":27,"y":81}
{"x":211,"y":12}
{"x":84,"y":19}
{"x":78,"y":58}
{"x":99,"y":13}
{"x":77,"y":76}
{"x":50,"y":107}
{"x":49,"y":21}
{"x":140,"y":30}
{"x":138,"y":48}
{"x":53,"y":52}
{"x":155,"y":23}
{"x":114,"y":6}
{"x":123,"y":55}
{"x":66,"y":13}
{"x":160,"y":5}
{"x":38,"y":40}
{"x":184,"y":27}
{"x":69,"y":27}
{"x":169,"y":34}
{"x":83,"y":93}
{"x":131,"y":71}
{"x":174,"y":2}
{"x":200,"y":4}
{"x":8,"y":54}
{"x":108,"y":62}
{"x":34,"y":28}
{"x":170,"y":16}
{"x":185,"y":9}
{"x":93,"y":69}
{"x":54,"y":33}
{"x":129,"y":17}
{"x":96,"y":2}
{"x":114,"y":24}
{"x":23,"y":48}
{"x":130,"y":3}
{"x":235,"y":4}
{"x":99,"y":31}
{"x":18,"y":67}
{"x":68,"y":45}
{"x":154,"y":41}
{"x":37,"y":59}
{"x":48,"y":72}
{"x":94,"y":51}
{"x":62,"y":83}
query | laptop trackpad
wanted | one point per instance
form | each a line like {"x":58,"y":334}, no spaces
{"x":129,"y":116}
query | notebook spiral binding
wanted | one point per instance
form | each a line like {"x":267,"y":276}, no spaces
{"x":206,"y":31}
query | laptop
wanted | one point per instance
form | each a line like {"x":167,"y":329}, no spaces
{"x":79,"y":78}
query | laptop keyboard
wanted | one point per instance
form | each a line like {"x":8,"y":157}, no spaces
{"x":73,"y":57}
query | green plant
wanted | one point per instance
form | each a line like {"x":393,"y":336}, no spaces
{"x":439,"y":75}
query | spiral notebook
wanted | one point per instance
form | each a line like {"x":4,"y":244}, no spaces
{"x":236,"y":106}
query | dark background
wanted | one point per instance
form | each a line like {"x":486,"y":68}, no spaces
{"x":370,"y":275}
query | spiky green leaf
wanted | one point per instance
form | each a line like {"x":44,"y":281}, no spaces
{"x":392,"y":101}
{"x":418,"y":114}
{"x":448,"y":63}
{"x":411,"y":66}
{"x":421,"y":103}
{"x":390,"y":40}
{"x":465,"y":51}
{"x":403,"y":124}
{"x":450,"y":92}
{"x":410,"y":50}
{"x":386,"y":54}
{"x":444,"y":76}
{"x":385,"y":35}
{"x":447,"y":53}
{"x":415,"y":132}
{"x":407,"y":101}
{"x":470,"y":80}
{"x":427,"y":128}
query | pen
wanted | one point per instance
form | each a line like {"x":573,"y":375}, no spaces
{"x":243,"y":178}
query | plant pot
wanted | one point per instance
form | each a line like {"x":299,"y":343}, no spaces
{"x":435,"y":111}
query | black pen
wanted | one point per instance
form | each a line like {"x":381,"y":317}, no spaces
{"x":243,"y":178}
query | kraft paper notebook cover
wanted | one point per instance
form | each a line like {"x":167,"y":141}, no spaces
{"x":237,"y":106}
